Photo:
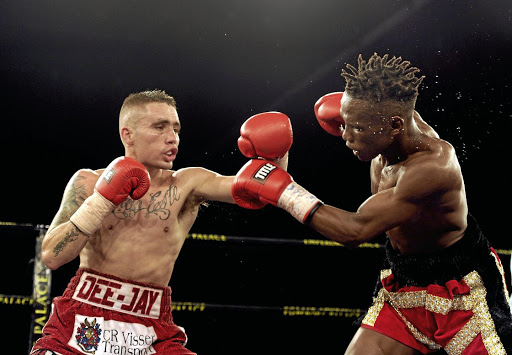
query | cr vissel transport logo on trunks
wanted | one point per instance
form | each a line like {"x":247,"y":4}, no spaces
{"x":97,"y":336}
{"x":119,"y":296}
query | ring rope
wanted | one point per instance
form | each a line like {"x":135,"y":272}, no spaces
{"x":243,"y":240}
{"x":40,"y":300}
{"x":177,"y":306}
{"x":289,"y":311}
{"x":279,"y":241}
{"x":16,"y":300}
{"x":282,"y":241}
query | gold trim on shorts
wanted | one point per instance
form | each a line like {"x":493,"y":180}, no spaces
{"x":480,"y":323}
{"x":499,"y":265}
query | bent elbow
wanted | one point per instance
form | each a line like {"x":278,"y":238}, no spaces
{"x":49,"y":261}
{"x":352,"y":243}
{"x":347,"y":228}
{"x":51,"y":265}
{"x":352,"y":238}
{"x":349,"y":240}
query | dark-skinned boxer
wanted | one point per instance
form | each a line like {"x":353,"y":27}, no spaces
{"x":443,"y":286}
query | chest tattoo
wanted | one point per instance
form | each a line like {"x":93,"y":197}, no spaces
{"x":159,"y":204}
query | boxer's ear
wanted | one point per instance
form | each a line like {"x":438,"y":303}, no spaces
{"x":397,"y":124}
{"x":126,"y":136}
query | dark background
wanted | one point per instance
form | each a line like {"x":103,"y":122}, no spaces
{"x":67,"y":66}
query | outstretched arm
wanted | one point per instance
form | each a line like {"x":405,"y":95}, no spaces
{"x":378,"y":214}
{"x":418,"y":183}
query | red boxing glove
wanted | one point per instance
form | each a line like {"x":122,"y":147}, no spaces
{"x":328,"y":113}
{"x":261,"y":182}
{"x":268,"y":135}
{"x":252,"y":185}
{"x":122,"y":178}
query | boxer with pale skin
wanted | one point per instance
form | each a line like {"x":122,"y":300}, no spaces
{"x":442,"y":286}
{"x":127,"y":224}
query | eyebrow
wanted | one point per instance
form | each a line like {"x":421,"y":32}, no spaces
{"x":166,"y":122}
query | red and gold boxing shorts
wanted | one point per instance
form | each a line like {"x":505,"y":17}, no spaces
{"x":103,"y":314}
{"x":454,"y":316}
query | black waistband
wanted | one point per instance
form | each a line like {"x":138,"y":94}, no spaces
{"x":454,"y":262}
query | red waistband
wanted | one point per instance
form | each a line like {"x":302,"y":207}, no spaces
{"x":114,"y":293}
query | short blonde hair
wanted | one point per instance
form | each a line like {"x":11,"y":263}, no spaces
{"x":145,"y":97}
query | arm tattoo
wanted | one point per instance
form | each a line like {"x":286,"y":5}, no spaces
{"x":74,"y":197}
{"x":70,"y":236}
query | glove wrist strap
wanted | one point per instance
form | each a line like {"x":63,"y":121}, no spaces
{"x":297,"y":201}
{"x":310,"y":214}
{"x":90,"y":215}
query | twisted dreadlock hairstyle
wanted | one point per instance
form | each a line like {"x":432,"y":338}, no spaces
{"x":381,"y":78}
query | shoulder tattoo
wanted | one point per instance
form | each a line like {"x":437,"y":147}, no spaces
{"x":74,"y":196}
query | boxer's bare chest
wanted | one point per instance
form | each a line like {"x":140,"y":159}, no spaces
{"x":157,"y":204}
{"x":160,"y":210}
